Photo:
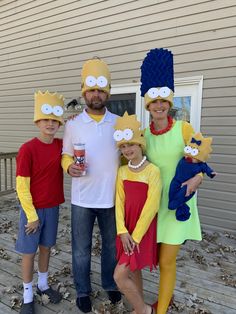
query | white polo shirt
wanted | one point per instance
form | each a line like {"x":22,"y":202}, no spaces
{"x":97,"y":188}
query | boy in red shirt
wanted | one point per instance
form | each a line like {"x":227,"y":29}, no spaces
{"x":39,"y":185}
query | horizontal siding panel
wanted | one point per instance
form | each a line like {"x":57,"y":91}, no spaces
{"x":216,"y":130}
{"x":217,"y":102}
{"x":218,"y":195}
{"x":227,"y":150}
{"x":219,"y":120}
{"x":40,"y":7}
{"x":222,"y":158}
{"x":85,"y":43}
{"x":217,"y":213}
{"x":216,"y":204}
{"x":219,"y":111}
{"x":111,"y":55}
{"x":225,"y":140}
{"x":221,"y":223}
{"x":218,"y":186}
{"x":110,"y":15}
{"x":223,"y":167}
{"x":69,"y":35}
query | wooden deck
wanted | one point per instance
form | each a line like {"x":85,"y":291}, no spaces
{"x":205,"y":279}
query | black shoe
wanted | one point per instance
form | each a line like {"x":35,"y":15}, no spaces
{"x":114,"y":296}
{"x":84,"y":304}
{"x":27,"y":308}
{"x":54,"y":296}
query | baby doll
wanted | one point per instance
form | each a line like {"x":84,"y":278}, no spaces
{"x":196,"y":152}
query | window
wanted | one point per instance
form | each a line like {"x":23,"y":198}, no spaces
{"x":187,"y":101}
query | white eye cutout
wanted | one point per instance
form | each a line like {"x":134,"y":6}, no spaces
{"x":187,"y":149}
{"x":194,"y":152}
{"x":46,"y":109}
{"x":101,"y":81}
{"x":153,"y":92}
{"x":164,"y":92}
{"x":118,"y":135}
{"x":128,"y":134}
{"x":90,"y":81}
{"x":57,"y":111}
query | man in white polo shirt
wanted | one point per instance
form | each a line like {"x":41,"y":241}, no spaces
{"x":92,"y":195}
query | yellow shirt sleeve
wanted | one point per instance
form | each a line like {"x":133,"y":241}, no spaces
{"x":151,"y":206}
{"x":120,"y":201}
{"x":25,"y":197}
{"x":187,"y":131}
{"x":66,"y":161}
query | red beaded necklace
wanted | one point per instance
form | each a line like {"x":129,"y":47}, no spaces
{"x":159,"y":132}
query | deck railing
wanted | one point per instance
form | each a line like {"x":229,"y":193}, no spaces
{"x":7,"y":173}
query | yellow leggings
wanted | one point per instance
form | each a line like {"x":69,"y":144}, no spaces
{"x":167,"y":265}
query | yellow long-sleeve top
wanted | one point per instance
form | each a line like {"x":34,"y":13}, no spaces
{"x":150,"y":175}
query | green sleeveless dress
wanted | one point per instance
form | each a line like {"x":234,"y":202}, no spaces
{"x":165,"y":151}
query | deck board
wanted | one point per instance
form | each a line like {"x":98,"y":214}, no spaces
{"x":205,"y":283}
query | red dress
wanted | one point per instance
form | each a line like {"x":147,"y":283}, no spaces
{"x":136,"y":196}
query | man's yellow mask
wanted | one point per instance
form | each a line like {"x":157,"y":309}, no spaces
{"x":95,"y":75}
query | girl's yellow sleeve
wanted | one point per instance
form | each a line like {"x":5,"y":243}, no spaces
{"x":120,"y":201}
{"x":151,"y":206}
{"x":25,"y":197}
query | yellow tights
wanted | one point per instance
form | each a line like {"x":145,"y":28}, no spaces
{"x":167,"y":265}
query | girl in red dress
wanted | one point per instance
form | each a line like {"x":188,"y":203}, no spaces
{"x":138,"y":194}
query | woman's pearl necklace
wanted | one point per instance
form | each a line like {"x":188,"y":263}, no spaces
{"x":138,"y":165}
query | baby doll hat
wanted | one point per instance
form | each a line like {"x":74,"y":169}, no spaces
{"x":157,"y":76}
{"x":95,"y":75}
{"x":128,"y":131}
{"x":48,"y":106}
{"x":198,"y":147}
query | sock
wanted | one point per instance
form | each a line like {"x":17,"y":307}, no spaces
{"x":28,"y":292}
{"x":43,"y":281}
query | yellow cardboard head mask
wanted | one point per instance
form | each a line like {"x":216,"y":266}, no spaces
{"x":128,"y":131}
{"x":198,"y":147}
{"x":48,"y":106}
{"x":95,"y":75}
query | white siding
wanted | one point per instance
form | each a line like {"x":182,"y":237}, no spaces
{"x":44,"y":43}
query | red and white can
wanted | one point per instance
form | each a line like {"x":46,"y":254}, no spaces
{"x":79,"y":153}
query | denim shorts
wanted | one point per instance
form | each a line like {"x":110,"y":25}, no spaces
{"x":45,"y":235}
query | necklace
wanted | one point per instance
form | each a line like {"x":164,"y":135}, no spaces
{"x":159,"y":132}
{"x":138,"y":165}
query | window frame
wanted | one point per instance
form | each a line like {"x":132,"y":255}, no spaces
{"x":187,"y":86}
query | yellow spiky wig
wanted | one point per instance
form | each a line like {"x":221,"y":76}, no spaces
{"x":198,"y":147}
{"x":128,"y":131}
{"x":95,"y":75}
{"x":48,"y":106}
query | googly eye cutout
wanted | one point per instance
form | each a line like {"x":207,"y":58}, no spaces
{"x":153,"y":92}
{"x":128,"y":134}
{"x":57,"y":111}
{"x":46,"y":109}
{"x":101,"y":81}
{"x":90,"y":81}
{"x":164,"y":92}
{"x":194,"y":152}
{"x":118,"y":135}
{"x":187,"y":149}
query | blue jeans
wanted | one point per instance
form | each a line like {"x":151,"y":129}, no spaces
{"x":82,"y":222}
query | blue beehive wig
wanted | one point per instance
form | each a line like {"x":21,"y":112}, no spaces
{"x":157,"y":70}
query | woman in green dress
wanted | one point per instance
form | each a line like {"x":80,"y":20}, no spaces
{"x":165,"y":140}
